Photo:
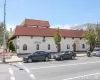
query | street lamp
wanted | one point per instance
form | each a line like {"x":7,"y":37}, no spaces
{"x":4,"y":36}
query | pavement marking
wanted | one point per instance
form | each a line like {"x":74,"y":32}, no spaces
{"x":12,"y":78}
{"x":11,"y":71}
{"x":82,"y":76}
{"x":65,"y":65}
{"x":32,"y":76}
{"x":27,"y":70}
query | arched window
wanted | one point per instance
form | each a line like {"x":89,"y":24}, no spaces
{"x":48,"y":46}
{"x":24,"y":47}
{"x":37,"y":47}
{"x":68,"y":46}
{"x":83,"y":45}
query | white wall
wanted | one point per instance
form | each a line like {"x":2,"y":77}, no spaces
{"x":43,"y":46}
{"x":32,"y":42}
{"x":71,"y":41}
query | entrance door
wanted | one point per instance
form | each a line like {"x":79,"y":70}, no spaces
{"x":74,"y":47}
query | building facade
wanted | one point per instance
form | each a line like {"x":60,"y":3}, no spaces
{"x":36,"y":35}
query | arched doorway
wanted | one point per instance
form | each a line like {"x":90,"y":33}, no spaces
{"x":59,"y":47}
{"x":74,"y":47}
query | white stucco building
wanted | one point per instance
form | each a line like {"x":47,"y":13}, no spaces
{"x":36,"y":35}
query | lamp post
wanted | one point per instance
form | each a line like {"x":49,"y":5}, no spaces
{"x":4,"y":36}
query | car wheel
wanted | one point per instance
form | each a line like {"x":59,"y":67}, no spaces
{"x":73,"y":57}
{"x":30,"y":60}
{"x":61,"y":59}
{"x":46,"y":59}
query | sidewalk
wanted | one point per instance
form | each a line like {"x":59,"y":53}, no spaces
{"x":81,"y":55}
{"x":12,"y":59}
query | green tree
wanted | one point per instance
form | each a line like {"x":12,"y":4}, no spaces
{"x":11,"y":46}
{"x":57,"y":39}
{"x":90,"y":37}
{"x":2,"y":32}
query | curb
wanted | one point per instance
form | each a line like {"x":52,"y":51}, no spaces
{"x":9,"y":62}
{"x":81,"y":56}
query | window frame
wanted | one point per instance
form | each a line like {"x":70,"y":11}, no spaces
{"x":49,"y":46}
{"x":25,"y":47}
{"x":83,"y":46}
{"x":68,"y":46}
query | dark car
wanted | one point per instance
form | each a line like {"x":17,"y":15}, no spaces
{"x":65,"y":55}
{"x":37,"y":56}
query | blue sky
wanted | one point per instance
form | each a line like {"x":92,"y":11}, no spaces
{"x":57,"y":12}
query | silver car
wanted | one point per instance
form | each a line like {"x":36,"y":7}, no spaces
{"x":96,"y":52}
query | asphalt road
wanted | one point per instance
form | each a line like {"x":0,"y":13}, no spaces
{"x":83,"y":68}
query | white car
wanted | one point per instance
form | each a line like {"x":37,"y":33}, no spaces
{"x":96,"y":52}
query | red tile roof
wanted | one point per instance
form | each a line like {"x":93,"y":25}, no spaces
{"x":33,"y":22}
{"x":31,"y":31}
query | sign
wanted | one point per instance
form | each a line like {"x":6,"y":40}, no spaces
{"x":37,"y":42}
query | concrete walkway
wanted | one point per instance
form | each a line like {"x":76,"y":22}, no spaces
{"x":14,"y":59}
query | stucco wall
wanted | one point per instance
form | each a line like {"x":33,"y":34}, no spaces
{"x":31,"y":43}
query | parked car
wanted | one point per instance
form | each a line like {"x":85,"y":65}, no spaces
{"x":96,"y":52}
{"x":65,"y":55}
{"x":37,"y":56}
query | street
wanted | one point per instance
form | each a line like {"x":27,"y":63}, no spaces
{"x":82,"y":68}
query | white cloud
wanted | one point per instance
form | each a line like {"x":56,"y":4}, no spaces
{"x":63,"y":26}
{"x":10,"y":26}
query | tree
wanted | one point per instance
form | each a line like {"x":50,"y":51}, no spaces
{"x":11,"y":46}
{"x":57,"y":39}
{"x":2,"y":32}
{"x":90,"y":37}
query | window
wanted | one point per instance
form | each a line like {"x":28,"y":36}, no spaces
{"x":37,"y":47}
{"x":42,"y":52}
{"x":48,"y":46}
{"x":24,"y":47}
{"x":83,"y":46}
{"x":68,"y":46}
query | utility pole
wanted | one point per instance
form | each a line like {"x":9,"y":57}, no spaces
{"x":4,"y":37}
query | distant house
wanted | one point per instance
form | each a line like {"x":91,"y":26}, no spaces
{"x":36,"y":35}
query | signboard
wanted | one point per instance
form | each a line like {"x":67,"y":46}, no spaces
{"x":37,"y":42}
